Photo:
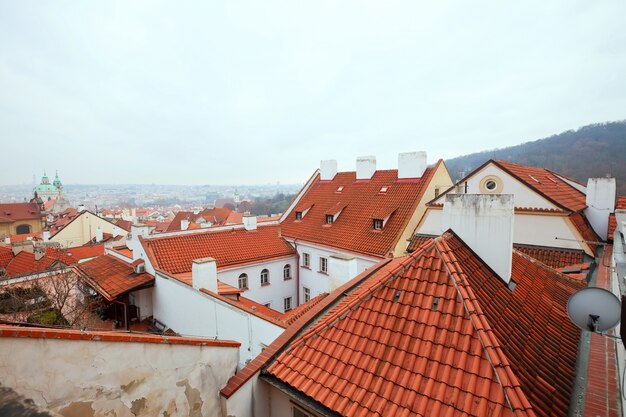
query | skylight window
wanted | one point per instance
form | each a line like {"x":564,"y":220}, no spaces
{"x":340,"y":188}
{"x":383,"y":189}
{"x":533,"y":178}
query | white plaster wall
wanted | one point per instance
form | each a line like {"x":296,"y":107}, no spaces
{"x":192,"y":313}
{"x":432,"y":223}
{"x":97,"y":378}
{"x":275,"y":292}
{"x":542,"y":230}
{"x":523,"y":196}
{"x":143,"y":300}
{"x":252,"y":399}
{"x":316,"y":281}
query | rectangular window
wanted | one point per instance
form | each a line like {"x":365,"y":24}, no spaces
{"x":436,"y":192}
{"x":268,"y":305}
{"x":287,"y":304}
{"x":329,"y":219}
{"x":307,"y":294}
{"x":299,"y":413}
{"x":298,"y":215}
{"x":378,"y":224}
{"x":323,"y":265}
{"x":306,"y":260}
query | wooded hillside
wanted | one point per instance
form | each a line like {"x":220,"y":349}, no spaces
{"x":590,"y":151}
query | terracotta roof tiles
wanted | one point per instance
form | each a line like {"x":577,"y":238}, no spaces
{"x":359,"y":202}
{"x":548,"y":184}
{"x":112,"y":277}
{"x":620,"y":205}
{"x":11,"y":212}
{"x":174,"y":254}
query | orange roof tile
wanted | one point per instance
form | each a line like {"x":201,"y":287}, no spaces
{"x":292,"y":315}
{"x":87,"y":251}
{"x":12,"y":212}
{"x":548,"y":184}
{"x":437,"y":333}
{"x":122,"y":224}
{"x":361,"y":201}
{"x":553,"y":257}
{"x":112,"y":277}
{"x":584,"y":228}
{"x":6,"y":254}
{"x":620,"y":205}
{"x":24,"y":263}
{"x":225,"y":289}
{"x":174,"y":254}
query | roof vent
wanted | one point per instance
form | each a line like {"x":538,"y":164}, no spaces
{"x":435,"y":303}
{"x":396,"y":297}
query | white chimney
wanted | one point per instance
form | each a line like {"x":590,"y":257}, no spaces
{"x":7,"y":240}
{"x":485,"y":223}
{"x":39,"y":252}
{"x":204,"y":274}
{"x":600,"y":204}
{"x":80,"y":208}
{"x":249,"y":221}
{"x":341,"y":269}
{"x":99,"y":235}
{"x":136,"y":230}
{"x":46,"y":235}
{"x":365,"y":167}
{"x":184,"y":224}
{"x":411,"y":164}
{"x":328,"y":169}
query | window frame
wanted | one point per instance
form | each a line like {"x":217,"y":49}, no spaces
{"x":287,"y":272}
{"x":243,"y":276}
{"x":330,"y":219}
{"x":323,"y":265}
{"x":21,"y":226}
{"x":265,"y":277}
{"x":306,"y":294}
{"x":287,"y":300}
{"x":298,"y":215}
{"x":378,"y":222}
{"x":306,"y":260}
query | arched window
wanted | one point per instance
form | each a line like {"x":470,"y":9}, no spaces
{"x":287,"y":271}
{"x":243,"y":281}
{"x":22,"y":229}
{"x":265,"y":277}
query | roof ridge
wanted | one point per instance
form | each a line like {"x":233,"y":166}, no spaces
{"x":546,"y":267}
{"x":511,"y":387}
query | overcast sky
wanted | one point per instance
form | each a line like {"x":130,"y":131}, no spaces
{"x":251,"y":92}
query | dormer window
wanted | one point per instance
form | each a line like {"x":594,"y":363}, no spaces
{"x":378,"y":224}
{"x":298,"y":215}
{"x":140,"y":269}
{"x":301,"y":213}
{"x":329,"y":219}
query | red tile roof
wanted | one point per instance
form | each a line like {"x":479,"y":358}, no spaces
{"x":250,"y":306}
{"x":6,"y":254}
{"x":620,"y":205}
{"x":122,"y":224}
{"x":292,"y":315}
{"x":548,"y":184}
{"x":435,"y":333}
{"x":586,"y":231}
{"x":12,"y":212}
{"x":87,"y":251}
{"x":70,"y":334}
{"x":216,"y":216}
{"x":553,"y":257}
{"x":24,"y":263}
{"x":362,"y":201}
{"x":112,"y":277}
{"x":174,"y":254}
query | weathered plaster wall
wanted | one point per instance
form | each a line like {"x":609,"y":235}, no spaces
{"x":122,"y":379}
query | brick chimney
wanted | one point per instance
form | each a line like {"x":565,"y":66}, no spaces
{"x":485,"y":223}
{"x":365,"y":167}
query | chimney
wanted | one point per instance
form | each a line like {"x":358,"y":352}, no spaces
{"x":136,"y":230}
{"x":184,"y":224}
{"x":204,"y":274}
{"x":341,"y":269}
{"x":328,"y":169}
{"x":7,"y":240}
{"x":99,"y":235}
{"x":249,"y":221}
{"x":39,"y":252}
{"x":600,"y":203}
{"x":365,"y":167}
{"x":80,"y":208}
{"x":411,"y":164}
{"x":485,"y":223}
{"x":46,"y":235}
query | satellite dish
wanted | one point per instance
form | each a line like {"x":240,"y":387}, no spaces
{"x":594,"y":309}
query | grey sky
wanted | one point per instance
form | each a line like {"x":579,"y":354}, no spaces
{"x":198,"y":92}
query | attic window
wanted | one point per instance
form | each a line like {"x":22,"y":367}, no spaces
{"x":491,"y":185}
{"x":329,"y":219}
{"x":378,"y":224}
{"x":383,"y":189}
{"x":140,"y":269}
{"x":340,"y":188}
{"x":298,"y":215}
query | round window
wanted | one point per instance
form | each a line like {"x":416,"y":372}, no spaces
{"x":491,"y":185}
